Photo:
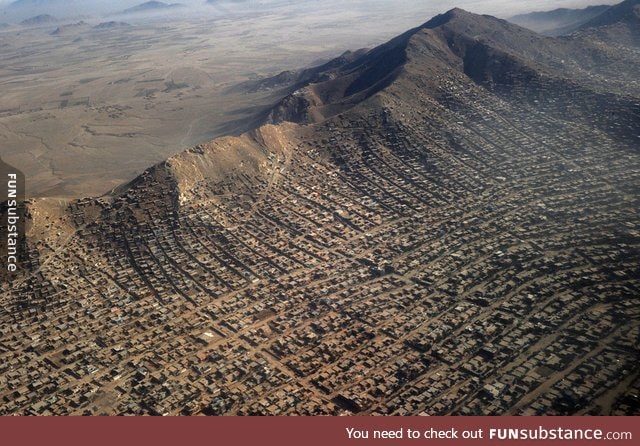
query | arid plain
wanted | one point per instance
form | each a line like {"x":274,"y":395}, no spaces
{"x":86,"y":107}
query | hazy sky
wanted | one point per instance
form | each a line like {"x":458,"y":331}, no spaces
{"x":501,"y":8}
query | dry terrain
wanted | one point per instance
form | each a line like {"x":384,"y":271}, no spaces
{"x":446,"y":224}
{"x":86,"y":107}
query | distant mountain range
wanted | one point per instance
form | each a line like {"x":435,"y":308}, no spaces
{"x":564,"y":21}
{"x":627,"y":12}
{"x":69,"y":28}
{"x":19,"y":10}
{"x":112,"y":24}
{"x":558,"y":21}
{"x":152,"y":6}
{"x":43,"y":19}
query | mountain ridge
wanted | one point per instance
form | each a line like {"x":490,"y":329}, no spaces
{"x":627,"y":11}
{"x":559,"y":21}
{"x":442,"y":215}
{"x":451,"y":37}
{"x":456,"y":40}
{"x":477,"y":46}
